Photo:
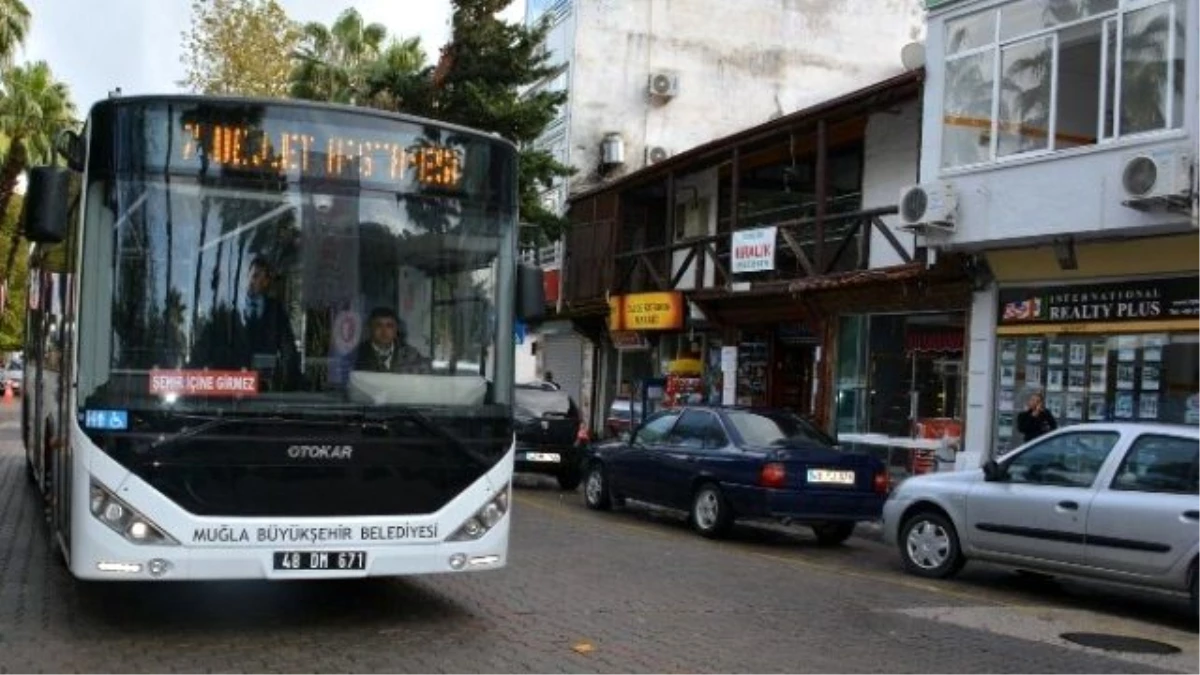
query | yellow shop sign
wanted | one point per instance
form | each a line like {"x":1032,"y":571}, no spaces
{"x":646,"y":311}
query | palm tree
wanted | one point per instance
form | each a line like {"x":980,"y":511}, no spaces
{"x":332,"y":62}
{"x":33,"y":109}
{"x":394,"y":78}
{"x":14,"y":25}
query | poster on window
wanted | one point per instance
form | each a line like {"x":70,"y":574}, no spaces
{"x":1033,"y":377}
{"x":1127,"y":348}
{"x":1150,"y":378}
{"x":1008,"y":374}
{"x":1055,"y":405}
{"x":1099,"y":380}
{"x":1056,"y":353}
{"x":1007,"y":400}
{"x":1152,"y":348}
{"x":1123,"y":410}
{"x":1075,"y":407}
{"x":1078,"y":354}
{"x":1148,"y":407}
{"x":1054,"y":379}
{"x":1004,"y":428}
{"x":1077,"y":380}
{"x":1008,"y":351}
{"x":1096,"y":408}
{"x":1125,"y":377}
{"x":1100,"y":352}
{"x":1033,"y":350}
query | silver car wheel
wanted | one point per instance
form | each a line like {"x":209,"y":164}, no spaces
{"x":594,"y":488}
{"x":928,"y":545}
{"x":707,"y":509}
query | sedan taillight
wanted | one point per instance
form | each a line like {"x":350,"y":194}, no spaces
{"x":881,"y":483}
{"x":772,"y":475}
{"x":583,"y":435}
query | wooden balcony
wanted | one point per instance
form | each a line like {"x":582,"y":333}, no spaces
{"x":806,"y":249}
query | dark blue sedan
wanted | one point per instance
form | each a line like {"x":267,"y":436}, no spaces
{"x":727,"y":464}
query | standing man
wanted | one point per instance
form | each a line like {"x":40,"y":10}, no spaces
{"x":387,"y":349}
{"x":259,"y":337}
{"x":1035,"y":420}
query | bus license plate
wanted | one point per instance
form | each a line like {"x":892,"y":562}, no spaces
{"x":320,"y":560}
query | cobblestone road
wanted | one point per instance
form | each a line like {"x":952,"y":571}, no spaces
{"x":637,"y":588}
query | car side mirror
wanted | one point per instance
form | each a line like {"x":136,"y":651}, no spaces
{"x":46,"y":212}
{"x":993,"y":472}
{"x":531,"y":293}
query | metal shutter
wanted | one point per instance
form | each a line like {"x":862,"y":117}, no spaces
{"x":562,"y":355}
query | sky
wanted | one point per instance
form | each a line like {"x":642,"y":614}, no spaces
{"x":98,"y":45}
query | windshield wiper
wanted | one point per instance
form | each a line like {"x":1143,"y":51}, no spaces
{"x":423,"y":421}
{"x":212,"y":423}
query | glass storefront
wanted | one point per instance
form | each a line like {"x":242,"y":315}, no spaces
{"x":1117,"y":351}
{"x":896,"y":373}
{"x":1145,"y":377}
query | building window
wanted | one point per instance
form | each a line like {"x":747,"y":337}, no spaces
{"x":1036,"y":76}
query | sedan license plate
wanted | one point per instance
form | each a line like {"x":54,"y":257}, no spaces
{"x":831,"y":476}
{"x":320,"y":560}
{"x":542,"y":457}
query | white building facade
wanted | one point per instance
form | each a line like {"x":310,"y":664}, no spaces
{"x":1059,"y":147}
{"x":656,"y":77}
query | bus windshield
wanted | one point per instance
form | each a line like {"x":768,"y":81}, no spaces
{"x":237,"y":256}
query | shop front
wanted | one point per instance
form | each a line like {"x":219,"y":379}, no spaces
{"x":900,"y":386}
{"x":1102,"y":350}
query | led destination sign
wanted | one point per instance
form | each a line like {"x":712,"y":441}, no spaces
{"x":307,"y":151}
{"x":296,"y":142}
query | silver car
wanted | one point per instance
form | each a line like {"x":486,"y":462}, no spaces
{"x":1110,"y":501}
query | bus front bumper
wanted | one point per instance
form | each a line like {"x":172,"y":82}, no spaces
{"x":104,"y":559}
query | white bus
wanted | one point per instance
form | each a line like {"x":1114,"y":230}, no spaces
{"x":213,"y":390}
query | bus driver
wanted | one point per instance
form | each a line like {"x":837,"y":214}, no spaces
{"x":386,"y":350}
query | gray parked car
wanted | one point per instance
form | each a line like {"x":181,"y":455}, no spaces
{"x":1110,"y":501}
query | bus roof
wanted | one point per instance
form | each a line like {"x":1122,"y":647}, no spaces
{"x":299,"y":103}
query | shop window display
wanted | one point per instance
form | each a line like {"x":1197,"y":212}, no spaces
{"x":1149,"y":377}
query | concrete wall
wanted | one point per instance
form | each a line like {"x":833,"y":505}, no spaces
{"x":1072,"y":191}
{"x":891,"y":153}
{"x":739,"y":64}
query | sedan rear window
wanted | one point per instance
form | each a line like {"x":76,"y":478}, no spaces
{"x":539,"y":402}
{"x":766,"y":429}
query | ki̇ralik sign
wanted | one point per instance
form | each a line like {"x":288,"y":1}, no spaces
{"x":1138,"y":300}
{"x":753,"y":250}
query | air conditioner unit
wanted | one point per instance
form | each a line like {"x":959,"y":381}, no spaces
{"x":663,"y":84}
{"x":1158,"y":180}
{"x":930,"y":208}
{"x":655,"y":154}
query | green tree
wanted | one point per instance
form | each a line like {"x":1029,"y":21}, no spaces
{"x":332,"y":63}
{"x":12,"y":318}
{"x":14,"y":25}
{"x":241,"y":47}
{"x":34,"y":107}
{"x":481,"y":82}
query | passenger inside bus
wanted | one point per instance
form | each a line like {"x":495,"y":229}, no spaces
{"x":259,"y":336}
{"x":387,"y":349}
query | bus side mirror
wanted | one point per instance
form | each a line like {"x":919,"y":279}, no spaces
{"x":47,"y":204}
{"x":531,"y":294}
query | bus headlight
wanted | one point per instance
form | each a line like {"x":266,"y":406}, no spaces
{"x":484,"y":519}
{"x":124,"y":519}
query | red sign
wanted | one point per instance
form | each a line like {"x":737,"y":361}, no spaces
{"x":204,"y":382}
{"x":550,"y":285}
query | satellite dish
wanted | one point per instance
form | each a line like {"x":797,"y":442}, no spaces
{"x":912,"y":55}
